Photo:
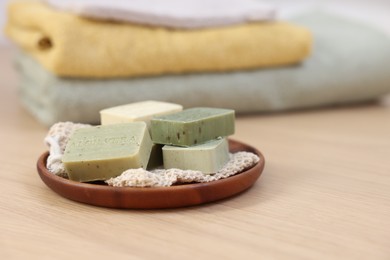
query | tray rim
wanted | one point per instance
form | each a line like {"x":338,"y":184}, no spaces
{"x":63,"y":186}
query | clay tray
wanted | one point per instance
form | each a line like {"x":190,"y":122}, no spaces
{"x":154,"y":197}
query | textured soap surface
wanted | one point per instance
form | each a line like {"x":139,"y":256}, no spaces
{"x":140,"y":111}
{"x":192,"y":126}
{"x":208,"y":158}
{"x":102,"y":152}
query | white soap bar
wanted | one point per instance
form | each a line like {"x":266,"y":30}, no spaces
{"x":208,"y":158}
{"x":140,"y":111}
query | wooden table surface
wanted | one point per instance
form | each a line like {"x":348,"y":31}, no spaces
{"x":324,"y":193}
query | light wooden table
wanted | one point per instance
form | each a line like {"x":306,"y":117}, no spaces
{"x":324,"y":194}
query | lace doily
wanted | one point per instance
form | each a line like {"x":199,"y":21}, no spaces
{"x":58,"y":137}
{"x":163,"y":178}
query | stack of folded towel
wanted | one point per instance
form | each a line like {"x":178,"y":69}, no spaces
{"x":78,"y":57}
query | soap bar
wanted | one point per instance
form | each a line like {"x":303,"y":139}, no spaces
{"x":192,"y":126}
{"x":102,"y":152}
{"x":208,"y":158}
{"x":140,"y":111}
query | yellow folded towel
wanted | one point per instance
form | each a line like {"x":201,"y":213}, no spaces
{"x":72,"y":46}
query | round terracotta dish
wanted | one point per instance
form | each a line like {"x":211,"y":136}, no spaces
{"x":154,"y":198}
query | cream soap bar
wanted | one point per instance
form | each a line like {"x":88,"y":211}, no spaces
{"x":208,"y":158}
{"x":102,"y":152}
{"x":192,"y":126}
{"x":140,"y":111}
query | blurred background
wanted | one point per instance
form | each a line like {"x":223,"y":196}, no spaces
{"x":345,"y":54}
{"x":2,"y":18}
{"x":374,"y":11}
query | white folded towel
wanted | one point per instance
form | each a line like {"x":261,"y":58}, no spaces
{"x":185,"y":14}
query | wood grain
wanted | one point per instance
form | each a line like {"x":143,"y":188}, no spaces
{"x":324,"y":194}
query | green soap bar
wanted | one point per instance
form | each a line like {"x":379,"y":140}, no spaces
{"x":156,"y":157}
{"x":192,"y":126}
{"x":102,"y":152}
{"x":208,"y":158}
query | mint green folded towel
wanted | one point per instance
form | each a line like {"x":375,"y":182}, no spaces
{"x":350,"y":63}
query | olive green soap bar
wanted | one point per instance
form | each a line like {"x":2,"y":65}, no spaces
{"x":140,"y":111}
{"x":208,"y":158}
{"x":102,"y":152}
{"x":192,"y":126}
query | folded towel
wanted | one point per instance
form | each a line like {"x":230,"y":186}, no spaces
{"x":72,"y":46}
{"x":349,"y":64}
{"x":171,"y":13}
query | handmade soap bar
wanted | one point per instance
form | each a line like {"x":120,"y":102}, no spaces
{"x":192,"y":126}
{"x":208,"y":158}
{"x":102,"y":152}
{"x":140,"y":111}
